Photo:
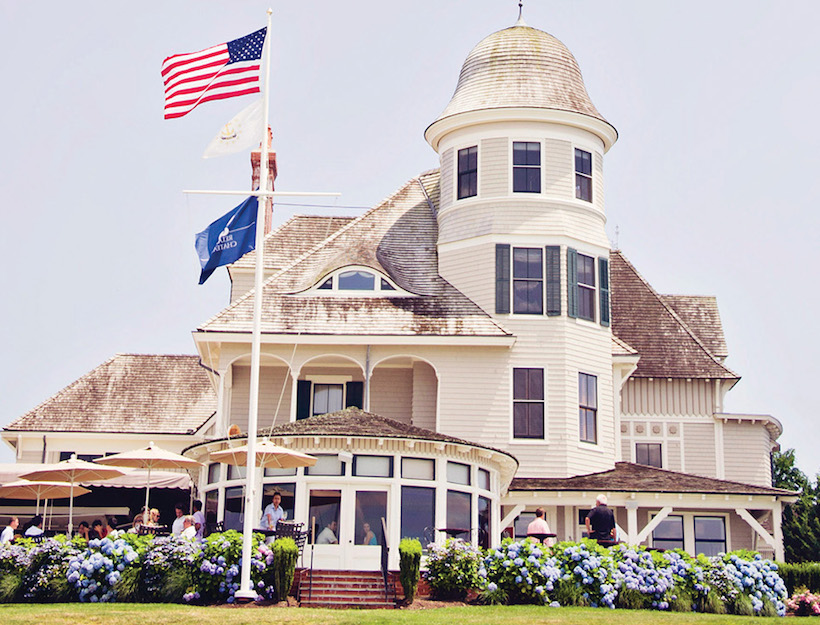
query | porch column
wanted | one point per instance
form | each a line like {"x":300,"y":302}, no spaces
{"x":631,"y":521}
{"x":505,"y":522}
{"x":777,"y":522}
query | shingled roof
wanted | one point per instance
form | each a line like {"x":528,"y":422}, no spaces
{"x":629,"y":477}
{"x":666,"y":342}
{"x":129,"y":393}
{"x":397,"y":238}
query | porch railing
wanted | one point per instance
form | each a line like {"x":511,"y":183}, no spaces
{"x":384,"y":559}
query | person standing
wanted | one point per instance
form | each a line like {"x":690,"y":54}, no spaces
{"x":8,"y":532}
{"x":199,"y":519}
{"x":273,"y":513}
{"x":600,"y":521}
{"x":539,"y":526}
{"x":178,"y":524}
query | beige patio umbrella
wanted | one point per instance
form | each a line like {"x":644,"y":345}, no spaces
{"x":268,"y":456}
{"x":25,"y":489}
{"x":72,"y":471}
{"x":151,"y":457}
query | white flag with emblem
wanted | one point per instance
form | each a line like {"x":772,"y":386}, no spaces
{"x":242,"y":132}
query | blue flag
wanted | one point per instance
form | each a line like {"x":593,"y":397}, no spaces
{"x":227,"y":239}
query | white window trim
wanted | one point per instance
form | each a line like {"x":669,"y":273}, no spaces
{"x":477,"y":196}
{"x":528,"y":441}
{"x":660,"y":439}
{"x":591,"y":153}
{"x":334,"y":291}
{"x":689,"y":527}
{"x":542,"y":167}
{"x":543,"y":313}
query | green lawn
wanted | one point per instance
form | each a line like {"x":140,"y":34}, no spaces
{"x":165,"y":614}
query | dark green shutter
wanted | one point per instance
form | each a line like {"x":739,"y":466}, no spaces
{"x":303,"y":399}
{"x":603,"y":281}
{"x":354,"y":395}
{"x":553,"y":257}
{"x":502,"y":279}
{"x":572,"y":282}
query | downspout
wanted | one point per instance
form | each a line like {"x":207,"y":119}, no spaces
{"x":43,"y":458}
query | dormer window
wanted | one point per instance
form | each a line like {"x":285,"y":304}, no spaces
{"x":468,"y":172}
{"x":526,"y":167}
{"x":357,"y":281}
{"x":583,"y":175}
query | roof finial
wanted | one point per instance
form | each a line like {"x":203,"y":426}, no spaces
{"x":520,"y":21}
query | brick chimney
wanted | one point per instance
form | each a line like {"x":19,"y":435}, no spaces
{"x":256,"y":158}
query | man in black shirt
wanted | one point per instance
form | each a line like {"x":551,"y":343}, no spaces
{"x":600,"y":521}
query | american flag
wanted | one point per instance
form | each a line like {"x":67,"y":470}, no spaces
{"x":219,"y":72}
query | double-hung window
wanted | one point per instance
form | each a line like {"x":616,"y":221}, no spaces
{"x":528,"y":280}
{"x":468,"y":172}
{"x":710,"y":535}
{"x":583,"y":175}
{"x":526,"y":167}
{"x":648,"y":454}
{"x":528,"y":276}
{"x":528,"y":403}
{"x":586,"y":287}
{"x":582,"y":287}
{"x":588,"y":407}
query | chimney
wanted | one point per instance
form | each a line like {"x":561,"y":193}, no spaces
{"x":256,"y":158}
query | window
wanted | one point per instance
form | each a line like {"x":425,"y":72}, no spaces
{"x":583,"y":175}
{"x":386,"y":286}
{"x":373,"y":466}
{"x":327,"y":398}
{"x":669,"y":533}
{"x":484,"y":479}
{"x":234,"y":508}
{"x":528,"y":403}
{"x":710,"y":535}
{"x":356,"y":281}
{"x":418,"y":513}
{"x":526,"y":167}
{"x":648,"y":454}
{"x":468,"y":172}
{"x":588,"y":407}
{"x":586,"y":287}
{"x":213,"y":472}
{"x":458,"y":473}
{"x":459,"y":513}
{"x":327,"y":284}
{"x":484,"y":522}
{"x":326,"y":464}
{"x":528,"y":281}
{"x":418,"y":469}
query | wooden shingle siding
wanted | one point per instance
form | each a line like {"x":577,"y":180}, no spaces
{"x":391,"y":393}
{"x":641,"y":396}
{"x":447,"y":179}
{"x":425,"y":390}
{"x":558,"y":168}
{"x":272,"y":381}
{"x":598,"y":180}
{"x":473,"y":269}
{"x":493,"y":167}
{"x":699,"y":449}
{"x":746,"y":449}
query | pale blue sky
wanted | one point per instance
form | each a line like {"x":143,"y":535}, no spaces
{"x":713,"y":183}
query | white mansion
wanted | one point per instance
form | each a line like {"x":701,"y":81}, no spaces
{"x":464,"y":352}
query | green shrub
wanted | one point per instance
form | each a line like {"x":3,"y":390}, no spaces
{"x":800,"y":574}
{"x":285,"y":554}
{"x":682,"y":601}
{"x":568,"y":593}
{"x":127,"y":587}
{"x":713,"y":604}
{"x":9,"y":586}
{"x":632,"y":599}
{"x":452,"y":570}
{"x":742,"y":605}
{"x":409,"y":564}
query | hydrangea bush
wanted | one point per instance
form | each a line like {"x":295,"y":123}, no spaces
{"x":95,"y":571}
{"x":804,"y":603}
{"x":518,"y":572}
{"x":220,"y":568}
{"x":452,"y":569}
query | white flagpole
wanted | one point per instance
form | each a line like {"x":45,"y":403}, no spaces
{"x":245,"y":591}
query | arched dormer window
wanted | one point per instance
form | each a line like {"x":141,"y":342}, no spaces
{"x":358,"y":281}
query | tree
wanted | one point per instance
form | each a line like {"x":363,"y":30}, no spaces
{"x":801,"y":520}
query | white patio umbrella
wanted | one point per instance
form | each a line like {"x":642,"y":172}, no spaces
{"x":25,"y":489}
{"x":151,"y":457}
{"x":268,"y":455}
{"x":72,"y":471}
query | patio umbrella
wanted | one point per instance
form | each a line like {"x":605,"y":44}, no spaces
{"x":72,"y":471}
{"x":268,"y":455}
{"x":24,"y":489}
{"x":151,"y":457}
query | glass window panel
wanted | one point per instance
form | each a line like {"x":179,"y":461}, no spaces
{"x":536,"y":385}
{"x":528,"y":297}
{"x":418,"y":469}
{"x":484,"y":479}
{"x":270,"y":472}
{"x":521,"y":384}
{"x":373,"y":466}
{"x":467,"y":172}
{"x":357,"y":281}
{"x":709,"y":528}
{"x":484,"y":528}
{"x":371,"y":508}
{"x":535,"y":417}
{"x":237,"y":473}
{"x":648,"y":454}
{"x":459,"y":512}
{"x":418,"y":513}
{"x":326,"y":465}
{"x":583,"y":188}
{"x":327,"y":398}
{"x":327,"y":284}
{"x":324,"y":506}
{"x":211,"y":506}
{"x":234,"y":508}
{"x":586,"y":270}
{"x":286,"y":490}
{"x":213,"y":472}
{"x":527,"y":262}
{"x":386,"y":286}
{"x":583,"y":162}
{"x":458,"y":473}
{"x":670,"y":529}
{"x":526,"y":153}
{"x":521,"y":523}
{"x":586,"y":303}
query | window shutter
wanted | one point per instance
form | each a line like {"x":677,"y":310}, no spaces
{"x":553,"y":258}
{"x":303,"y":399}
{"x":502,"y":279}
{"x":572,"y":282}
{"x":355,"y":394}
{"x":603,"y":282}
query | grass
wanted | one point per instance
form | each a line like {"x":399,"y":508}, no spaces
{"x":164,"y":614}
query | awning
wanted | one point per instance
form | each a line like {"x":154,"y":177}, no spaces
{"x":133,"y":478}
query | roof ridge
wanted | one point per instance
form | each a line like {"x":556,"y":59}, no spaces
{"x":695,"y":475}
{"x":673,"y":314}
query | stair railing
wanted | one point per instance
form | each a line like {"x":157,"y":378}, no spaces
{"x":384,"y":558}
{"x":312,"y":550}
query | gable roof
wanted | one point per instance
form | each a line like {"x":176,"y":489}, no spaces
{"x":397,"y":238}
{"x":700,"y":313}
{"x":629,"y":477}
{"x":129,"y":393}
{"x":667,"y":345}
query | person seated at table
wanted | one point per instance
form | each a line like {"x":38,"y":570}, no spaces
{"x":137,"y":523}
{"x":97,"y":531}
{"x":539,"y":525}
{"x":83,"y":529}
{"x":34,"y":526}
{"x":369,"y":537}
{"x":600,"y":521}
{"x":273,"y":513}
{"x":188,"y":527}
{"x":111,"y":526}
{"x":7,"y":534}
{"x":328,"y":535}
{"x":153,"y":516}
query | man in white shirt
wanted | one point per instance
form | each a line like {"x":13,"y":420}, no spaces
{"x":199,"y":519}
{"x":8,"y":533}
{"x":177,"y":526}
{"x":273,"y":513}
{"x":328,"y":535}
{"x":189,"y":529}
